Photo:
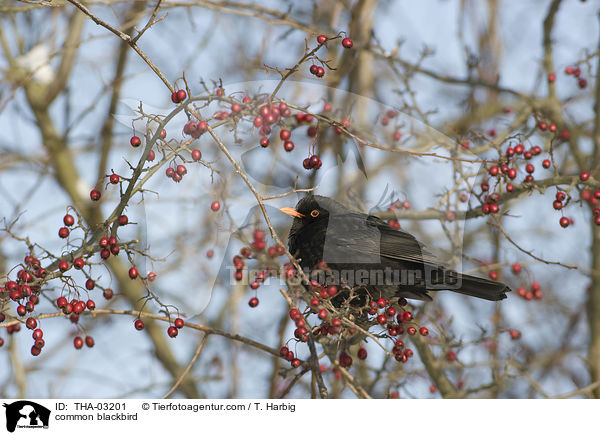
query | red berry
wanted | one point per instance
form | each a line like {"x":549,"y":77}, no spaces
{"x":516,"y":268}
{"x":89,"y":341}
{"x":215,"y":206}
{"x":321,"y":39}
{"x":288,"y":145}
{"x":519,"y":148}
{"x":551,"y":77}
{"x":314,"y":69}
{"x":135,"y":141}
{"x":31,"y":323}
{"x":347,"y":43}
{"x":114,"y":178}
{"x":178,"y":323}
{"x":78,"y":263}
{"x":546,"y":164}
{"x":181,"y":95}
{"x":90,"y":284}
{"x":258,"y":121}
{"x":196,"y":155}
{"x":151,"y":155}
{"x":584,"y":176}
{"x":264,"y":142}
{"x":362,"y":353}
{"x":582,"y":83}
{"x":411,"y":330}
{"x":284,"y":134}
{"x":61,"y":302}
{"x":564,"y":222}
{"x":512,"y":173}
{"x":78,"y":342}
{"x":253,"y":302}
{"x":423,"y":330}
{"x":108,"y":293}
{"x":451,"y":355}
{"x":254,"y":285}
{"x":123,"y":220}
{"x":138,"y":324}
{"x":90,"y":304}
{"x":68,"y":220}
{"x":133,"y":273}
{"x":529,"y":168}
{"x":63,"y":266}
{"x":514,"y":334}
{"x":95,"y":195}
{"x":63,"y":233}
{"x":172,"y":331}
{"x":105,"y":253}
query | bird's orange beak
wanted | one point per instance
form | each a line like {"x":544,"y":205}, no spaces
{"x":291,"y":211}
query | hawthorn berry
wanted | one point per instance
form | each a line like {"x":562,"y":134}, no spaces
{"x":172,"y":331}
{"x":63,"y":266}
{"x":90,"y":304}
{"x":423,"y":331}
{"x":135,"y":141}
{"x":151,"y":156}
{"x":138,"y":324}
{"x":90,"y":284}
{"x":95,"y":195}
{"x":516,"y":268}
{"x":63,"y":232}
{"x":321,"y":39}
{"x":288,"y":145}
{"x":514,"y":334}
{"x":546,"y":164}
{"x":564,"y":222}
{"x":133,"y":273}
{"x":123,"y":220}
{"x":284,"y":134}
{"x":31,"y":323}
{"x":253,"y":302}
{"x":362,"y":353}
{"x":178,"y":323}
{"x":215,"y":206}
{"x":68,"y":220}
{"x":347,"y":43}
{"x":196,"y":155}
{"x":264,"y":142}
{"x":584,"y":176}
{"x":114,"y":178}
{"x":78,"y":342}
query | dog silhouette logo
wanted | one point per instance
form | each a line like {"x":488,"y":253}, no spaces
{"x":26,"y":414}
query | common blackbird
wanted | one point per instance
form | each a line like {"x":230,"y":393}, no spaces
{"x":357,"y":251}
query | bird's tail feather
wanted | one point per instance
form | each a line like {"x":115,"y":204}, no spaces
{"x":482,"y":288}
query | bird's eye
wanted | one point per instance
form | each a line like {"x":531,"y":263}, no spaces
{"x":314,"y":213}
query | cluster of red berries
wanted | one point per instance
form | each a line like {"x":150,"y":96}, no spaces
{"x":172,"y":330}
{"x":78,"y":342}
{"x":108,"y":245}
{"x":177,"y":173}
{"x":576,"y":73}
{"x":289,"y":355}
{"x":591,"y":197}
{"x":316,"y":70}
{"x":312,"y":162}
{"x":178,"y":96}
{"x":535,"y":293}
{"x":195,"y":129}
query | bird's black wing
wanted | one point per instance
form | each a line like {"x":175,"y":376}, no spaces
{"x":401,"y":245}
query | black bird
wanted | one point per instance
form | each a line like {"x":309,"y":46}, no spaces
{"x":361,"y":251}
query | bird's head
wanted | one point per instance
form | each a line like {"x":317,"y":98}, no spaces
{"x":313,"y":209}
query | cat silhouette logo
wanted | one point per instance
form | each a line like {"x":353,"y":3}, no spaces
{"x":26,"y":414}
